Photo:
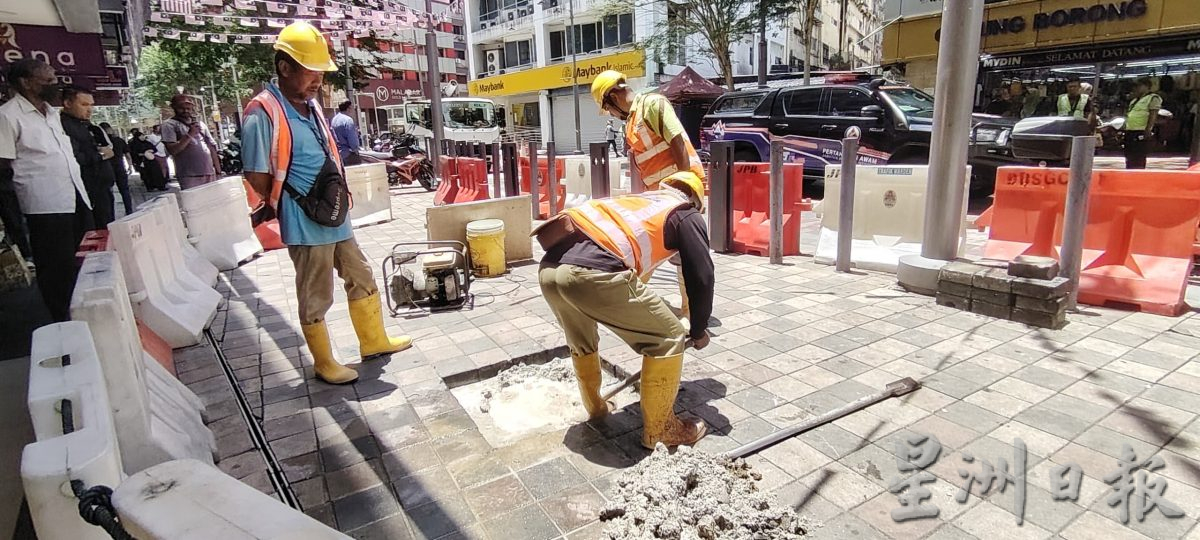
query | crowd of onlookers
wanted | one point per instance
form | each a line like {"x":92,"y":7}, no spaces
{"x":58,"y":170}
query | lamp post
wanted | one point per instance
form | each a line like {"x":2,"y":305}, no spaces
{"x":575,"y":74}
{"x":374,"y":107}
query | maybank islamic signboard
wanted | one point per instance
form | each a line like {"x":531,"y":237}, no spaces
{"x":631,"y":63}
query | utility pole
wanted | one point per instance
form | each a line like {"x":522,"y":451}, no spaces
{"x":435,"y":91}
{"x":842,"y":30}
{"x":575,"y":74}
{"x":762,"y":44}
{"x":349,"y":80}
{"x":216,"y":108}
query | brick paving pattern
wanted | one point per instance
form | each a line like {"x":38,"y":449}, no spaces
{"x":395,"y":455}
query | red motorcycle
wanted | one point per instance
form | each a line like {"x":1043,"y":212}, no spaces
{"x":405,"y":164}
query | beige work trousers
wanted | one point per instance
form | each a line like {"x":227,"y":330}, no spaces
{"x":314,"y":276}
{"x":582,"y":297}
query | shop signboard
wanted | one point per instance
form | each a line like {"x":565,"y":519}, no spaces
{"x":631,"y":63}
{"x":1115,"y":52}
{"x":73,"y":56}
{"x":115,"y":78}
{"x":379,"y":92}
{"x":910,"y":8}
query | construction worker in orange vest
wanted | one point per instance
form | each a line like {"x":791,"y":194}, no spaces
{"x":598,"y":256}
{"x":286,"y":146}
{"x":654,"y":138}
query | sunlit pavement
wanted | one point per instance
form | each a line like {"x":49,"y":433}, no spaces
{"x":396,"y":456}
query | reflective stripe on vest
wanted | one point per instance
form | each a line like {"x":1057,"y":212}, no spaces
{"x":651,"y":153}
{"x":630,"y":227}
{"x":1064,"y":106}
{"x":281,"y":139}
{"x":1139,"y":113}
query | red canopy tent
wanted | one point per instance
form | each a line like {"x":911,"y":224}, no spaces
{"x":691,"y":95}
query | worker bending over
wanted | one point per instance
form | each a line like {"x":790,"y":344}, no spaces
{"x":598,"y":257}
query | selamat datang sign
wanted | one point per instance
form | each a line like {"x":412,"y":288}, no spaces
{"x":631,"y":63}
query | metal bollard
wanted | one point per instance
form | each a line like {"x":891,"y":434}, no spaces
{"x":533,"y":180}
{"x":599,"y":157}
{"x":635,"y":178}
{"x":495,"y":165}
{"x":720,"y":196}
{"x":434,"y":157}
{"x":1083,"y":152}
{"x":551,"y":179}
{"x":512,"y":183}
{"x":845,"y":234}
{"x":775,"y":247}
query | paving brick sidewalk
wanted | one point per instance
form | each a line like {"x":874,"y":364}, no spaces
{"x":395,"y":456}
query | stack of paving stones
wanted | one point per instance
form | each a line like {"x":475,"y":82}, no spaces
{"x":1028,"y":291}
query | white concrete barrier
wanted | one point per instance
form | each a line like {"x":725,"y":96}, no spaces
{"x":173,"y":216}
{"x":370,"y":195}
{"x":218,"y":222}
{"x":64,"y":376}
{"x":578,"y":179}
{"x":889,"y":215}
{"x":166,"y":298}
{"x":188,"y":500}
{"x":156,"y":420}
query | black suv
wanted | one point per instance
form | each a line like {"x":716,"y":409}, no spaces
{"x":895,"y":123}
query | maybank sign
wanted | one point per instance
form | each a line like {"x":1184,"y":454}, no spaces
{"x":631,"y":63}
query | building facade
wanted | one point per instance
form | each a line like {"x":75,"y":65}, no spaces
{"x":1031,"y":48}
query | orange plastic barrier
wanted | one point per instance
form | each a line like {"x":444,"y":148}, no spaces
{"x":92,"y":241}
{"x":156,"y":347}
{"x":751,"y":207}
{"x":560,"y":172}
{"x":267,"y":231}
{"x":472,"y":180}
{"x":1137,"y":245}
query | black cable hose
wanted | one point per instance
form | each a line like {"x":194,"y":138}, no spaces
{"x":95,"y":507}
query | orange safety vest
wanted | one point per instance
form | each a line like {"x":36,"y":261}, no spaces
{"x":630,"y":226}
{"x":650,"y":152}
{"x":281,"y":139}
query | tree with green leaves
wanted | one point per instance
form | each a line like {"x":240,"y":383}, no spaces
{"x":168,"y":64}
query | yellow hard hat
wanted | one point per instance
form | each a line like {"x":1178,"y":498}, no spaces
{"x":689,"y":183}
{"x":605,"y":82}
{"x":305,"y":44}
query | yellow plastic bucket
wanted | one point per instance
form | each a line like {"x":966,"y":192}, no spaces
{"x":485,"y":238}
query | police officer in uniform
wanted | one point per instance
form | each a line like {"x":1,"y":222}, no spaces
{"x":1139,"y":123}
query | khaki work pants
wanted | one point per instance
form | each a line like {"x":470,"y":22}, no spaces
{"x":581,"y":298}
{"x":314,"y":276}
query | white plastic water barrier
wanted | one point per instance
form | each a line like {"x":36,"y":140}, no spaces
{"x":64,"y":376}
{"x":578,"y":179}
{"x":889,"y":215}
{"x":218,"y":222}
{"x":174,"y":303}
{"x":157,"y":418}
{"x":168,"y":204}
{"x":188,"y":500}
{"x":369,"y":190}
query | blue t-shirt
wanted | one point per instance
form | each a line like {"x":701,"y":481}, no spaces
{"x":308,"y":155}
{"x":345,"y":133}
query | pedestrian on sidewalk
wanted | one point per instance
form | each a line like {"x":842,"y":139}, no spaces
{"x":191,"y":146}
{"x":37,"y":155}
{"x":610,"y":133}
{"x":345,"y":131}
{"x":1139,"y":123}
{"x":92,"y":152}
{"x":598,"y":257}
{"x":141,"y":153}
{"x":288,"y":147}
{"x":120,"y":150}
{"x":160,"y":152}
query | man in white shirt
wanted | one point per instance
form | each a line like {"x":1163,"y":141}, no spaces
{"x":36,"y":152}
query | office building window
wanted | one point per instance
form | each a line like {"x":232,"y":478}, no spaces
{"x":612,"y":31}
{"x":518,"y":53}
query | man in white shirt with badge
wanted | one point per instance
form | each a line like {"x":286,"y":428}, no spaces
{"x":37,"y":154}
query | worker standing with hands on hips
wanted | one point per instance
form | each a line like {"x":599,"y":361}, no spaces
{"x":1139,"y":124}
{"x":598,"y":256}
{"x":291,"y":160}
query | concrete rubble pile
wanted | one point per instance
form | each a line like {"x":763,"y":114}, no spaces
{"x":530,"y":377}
{"x":692,"y":495}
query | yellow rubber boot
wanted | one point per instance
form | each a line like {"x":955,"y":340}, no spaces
{"x":328,"y":369}
{"x":367,"y":315}
{"x":587,"y":372}
{"x":660,"y":385}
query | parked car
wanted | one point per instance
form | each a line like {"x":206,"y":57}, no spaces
{"x":895,"y":122}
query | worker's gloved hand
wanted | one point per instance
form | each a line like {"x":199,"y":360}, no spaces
{"x":700,"y":342}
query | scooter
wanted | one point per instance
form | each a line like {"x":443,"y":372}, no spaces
{"x":405,"y":165}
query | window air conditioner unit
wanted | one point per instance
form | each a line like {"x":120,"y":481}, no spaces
{"x":510,"y":16}
{"x":523,"y":12}
{"x":492,"y":60}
